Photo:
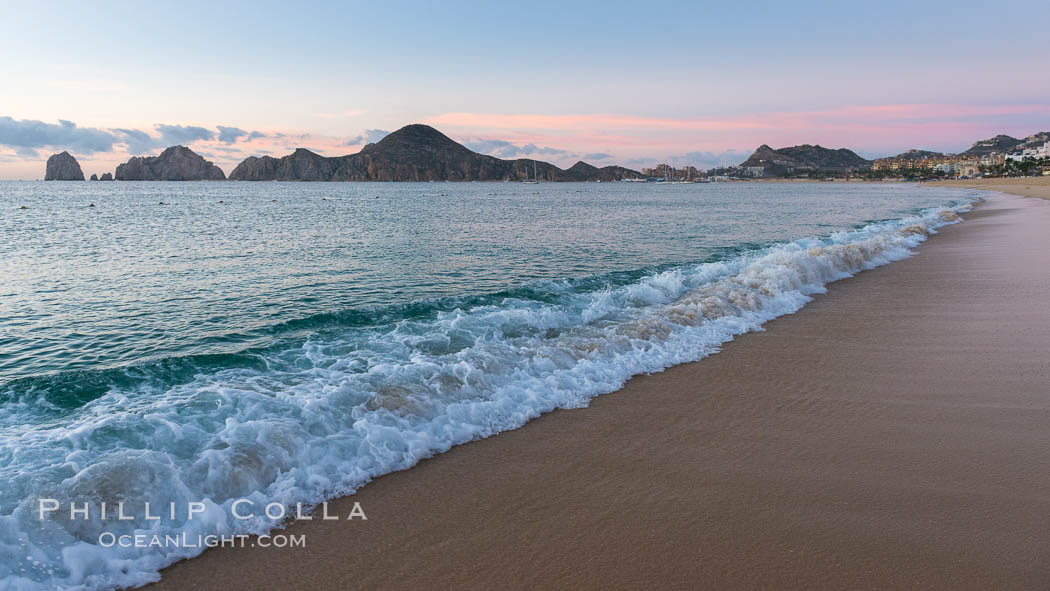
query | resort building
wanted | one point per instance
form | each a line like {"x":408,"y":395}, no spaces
{"x":1034,"y":153}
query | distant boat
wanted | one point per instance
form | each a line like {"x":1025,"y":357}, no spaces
{"x":535,"y":177}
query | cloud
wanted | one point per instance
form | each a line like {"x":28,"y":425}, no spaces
{"x":140,"y":142}
{"x":505,"y":149}
{"x":368,"y":136}
{"x":229,"y":135}
{"x":136,"y":141}
{"x":487,"y":146}
{"x":597,"y":156}
{"x":374,"y":135}
{"x":183,"y":134}
{"x":884,"y":128}
{"x":27,"y":135}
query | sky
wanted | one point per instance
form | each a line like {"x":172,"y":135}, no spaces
{"x":630,"y":83}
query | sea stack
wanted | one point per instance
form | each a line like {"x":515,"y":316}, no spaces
{"x":63,"y":167}
{"x":106,"y":176}
{"x":177,"y":163}
{"x":94,"y":177}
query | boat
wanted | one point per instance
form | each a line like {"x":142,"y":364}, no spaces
{"x":535,"y":177}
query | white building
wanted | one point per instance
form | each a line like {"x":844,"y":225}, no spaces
{"x":1036,"y":153}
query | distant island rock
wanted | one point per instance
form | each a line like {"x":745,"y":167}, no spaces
{"x":94,"y":177}
{"x":415,"y":153}
{"x":63,"y":167}
{"x":106,"y":176}
{"x":177,"y":163}
{"x":804,"y":158}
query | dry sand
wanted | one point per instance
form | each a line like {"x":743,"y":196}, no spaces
{"x":895,"y":433}
{"x":1028,"y":186}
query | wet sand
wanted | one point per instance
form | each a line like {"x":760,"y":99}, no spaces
{"x":895,"y":433}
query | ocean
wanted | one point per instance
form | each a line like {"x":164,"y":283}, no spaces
{"x":286,"y":343}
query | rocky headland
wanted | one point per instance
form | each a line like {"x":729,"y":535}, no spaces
{"x":177,"y":163}
{"x":415,"y":153}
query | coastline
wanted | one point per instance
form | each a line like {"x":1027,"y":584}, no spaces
{"x":855,"y":443}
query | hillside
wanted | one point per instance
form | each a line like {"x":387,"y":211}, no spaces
{"x":919,"y":155}
{"x":804,"y":158}
{"x":997,"y":144}
{"x":414,"y":153}
{"x":1035,"y":140}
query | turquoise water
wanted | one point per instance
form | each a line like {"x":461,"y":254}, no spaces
{"x":288,"y":342}
{"x":129,"y":280}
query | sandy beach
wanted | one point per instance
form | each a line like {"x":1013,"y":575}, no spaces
{"x":1027,"y":186}
{"x":891,"y":435}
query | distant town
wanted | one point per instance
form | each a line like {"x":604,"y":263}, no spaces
{"x":1000,"y":156}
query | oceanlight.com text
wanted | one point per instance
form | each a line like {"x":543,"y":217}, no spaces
{"x":109,"y":539}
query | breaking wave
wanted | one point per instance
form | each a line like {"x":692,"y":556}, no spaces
{"x":305,"y":422}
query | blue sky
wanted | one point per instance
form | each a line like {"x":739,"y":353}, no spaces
{"x":567,"y":79}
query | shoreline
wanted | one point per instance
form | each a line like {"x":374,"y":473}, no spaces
{"x":852,"y":444}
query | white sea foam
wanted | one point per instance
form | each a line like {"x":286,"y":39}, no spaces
{"x":324,"y":419}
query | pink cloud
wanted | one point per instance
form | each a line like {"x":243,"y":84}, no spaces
{"x":761,"y":121}
{"x":869,"y":128}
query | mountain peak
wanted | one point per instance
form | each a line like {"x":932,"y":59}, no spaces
{"x":416,"y":134}
{"x":582,"y":166}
